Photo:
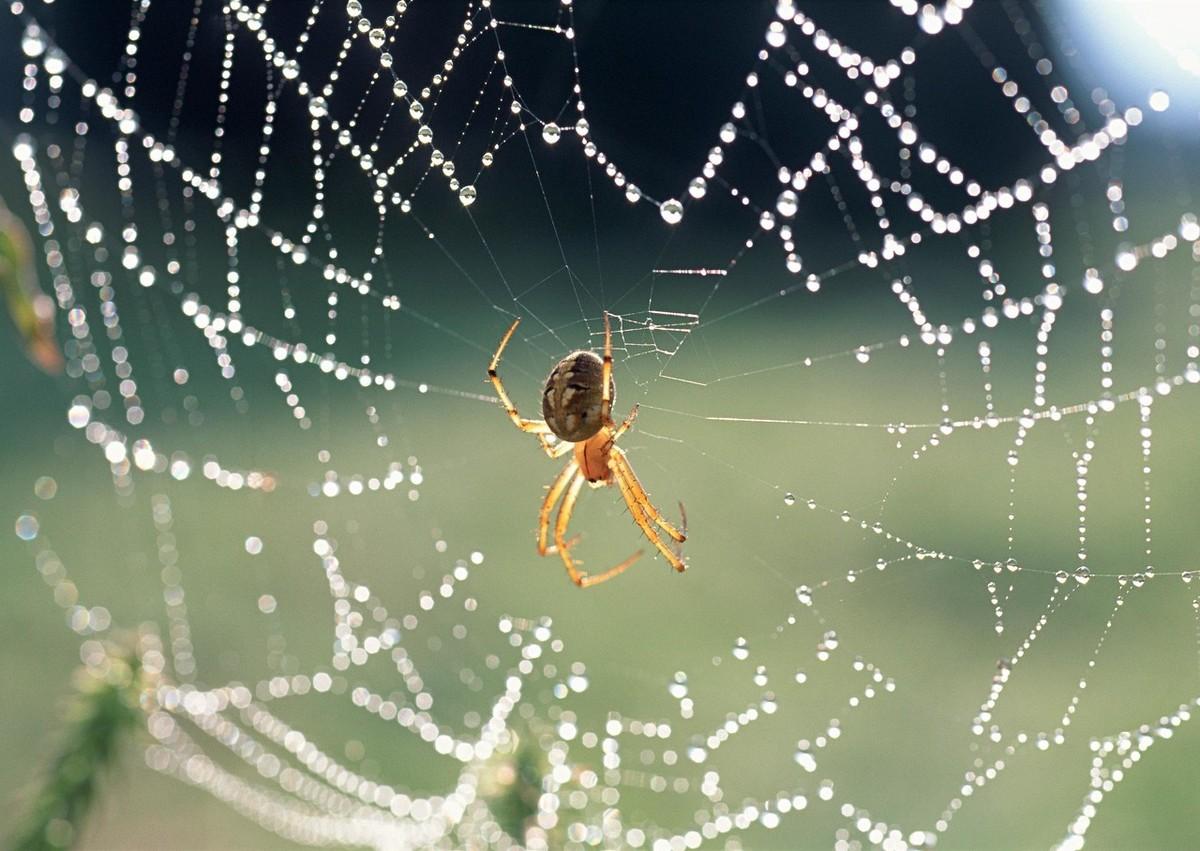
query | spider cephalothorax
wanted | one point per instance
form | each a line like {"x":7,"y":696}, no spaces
{"x":577,"y":407}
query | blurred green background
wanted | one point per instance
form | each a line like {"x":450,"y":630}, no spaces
{"x":926,"y":623}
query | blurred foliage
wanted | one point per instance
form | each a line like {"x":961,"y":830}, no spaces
{"x":103,"y":711}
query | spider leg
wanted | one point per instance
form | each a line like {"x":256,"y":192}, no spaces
{"x":589,"y":581}
{"x":624,"y":427}
{"x":643,"y":511}
{"x":552,"y":495}
{"x":535,"y":427}
{"x":563,"y":546}
{"x":606,"y":375}
{"x":625,"y":471}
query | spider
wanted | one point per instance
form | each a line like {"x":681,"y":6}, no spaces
{"x":577,"y":409}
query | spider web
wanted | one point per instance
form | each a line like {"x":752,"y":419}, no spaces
{"x":909,"y":352}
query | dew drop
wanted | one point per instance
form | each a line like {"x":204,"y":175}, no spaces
{"x":697,"y":187}
{"x":466,"y":196}
{"x":804,"y":595}
{"x":741,"y":650}
{"x":806,"y":761}
{"x":318,"y":108}
{"x":353,"y":8}
{"x":1082,"y":575}
{"x":377,"y":37}
{"x":671,"y":211}
{"x":786,"y":204}
{"x":45,"y":487}
{"x":789,"y":499}
{"x":27,"y":527}
{"x":416,"y":109}
{"x":399,"y":89}
{"x":254,"y":545}
{"x":551,"y":133}
{"x":1061,"y":577}
{"x":1187,"y":576}
{"x":33,"y":41}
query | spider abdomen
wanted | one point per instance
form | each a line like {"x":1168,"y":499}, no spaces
{"x":573,"y":399}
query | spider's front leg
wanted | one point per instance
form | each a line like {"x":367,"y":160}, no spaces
{"x":643,"y":511}
{"x":563,"y":546}
{"x":534,"y":427}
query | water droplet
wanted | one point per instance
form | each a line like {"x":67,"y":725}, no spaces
{"x":806,"y":761}
{"x":291,"y":69}
{"x":466,"y":196}
{"x":551,"y":133}
{"x":33,"y":41}
{"x":582,"y":127}
{"x":789,"y":499}
{"x":1187,"y":576}
{"x":671,"y":211}
{"x":678,"y":687}
{"x":632,"y":194}
{"x":577,"y":682}
{"x":741,"y":650}
{"x":353,"y":8}
{"x":1159,"y":100}
{"x":254,"y":545}
{"x":1061,"y":577}
{"x":318,"y":108}
{"x":416,"y":109}
{"x":804,"y":595}
{"x":697,"y":187}
{"x":399,"y":89}
{"x":45,"y":487}
{"x":55,"y":61}
{"x":377,"y":37}
{"x":786,"y":204}
{"x":27,"y":527}
{"x":697,"y":754}
{"x":1082,"y":574}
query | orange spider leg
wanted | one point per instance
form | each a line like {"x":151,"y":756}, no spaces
{"x":643,"y":512}
{"x":606,"y":376}
{"x":625,"y":469}
{"x":560,"y":530}
{"x":535,"y":427}
{"x":556,"y":489}
{"x":623,"y":427}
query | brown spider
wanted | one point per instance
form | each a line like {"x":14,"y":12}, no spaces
{"x":577,"y":406}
